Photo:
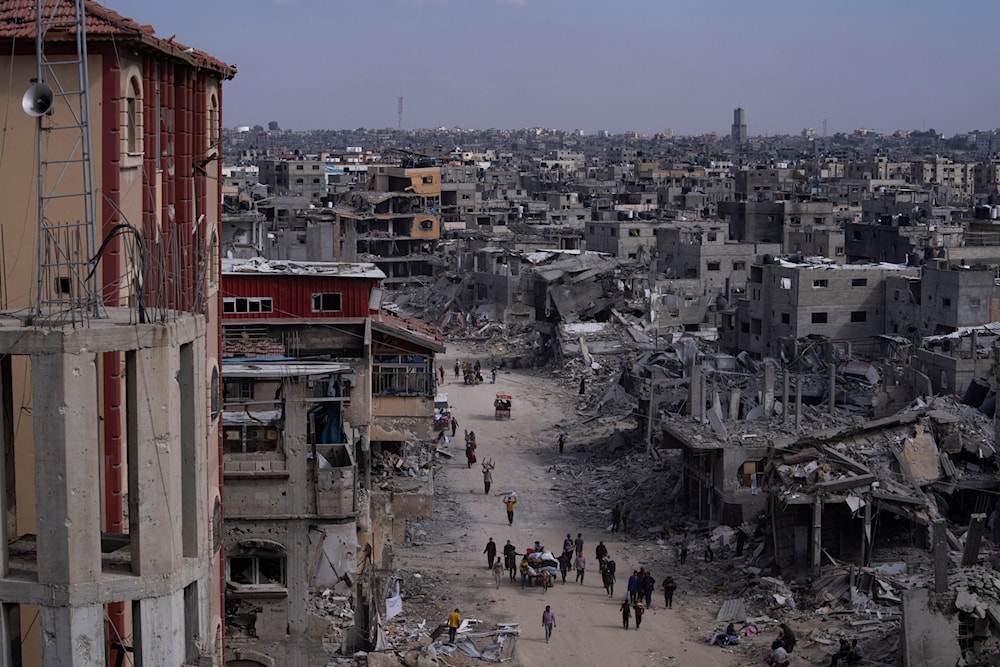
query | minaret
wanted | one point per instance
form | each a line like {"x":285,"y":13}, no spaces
{"x":739,"y":126}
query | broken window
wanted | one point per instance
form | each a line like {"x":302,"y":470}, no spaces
{"x":751,"y":472}
{"x":786,"y":283}
{"x":257,"y":563}
{"x":247,"y":305}
{"x":859,"y":282}
{"x":713,"y":266}
{"x":246,"y":438}
{"x":739,"y":266}
{"x":946,"y":302}
{"x":819,"y":318}
{"x":756,"y":326}
{"x":633,"y":232}
{"x":859,"y":315}
{"x":820,"y":284}
{"x":402,"y":375}
{"x":326,"y":302}
{"x":974,"y":303}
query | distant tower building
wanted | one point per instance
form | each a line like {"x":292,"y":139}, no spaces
{"x":739,"y":126}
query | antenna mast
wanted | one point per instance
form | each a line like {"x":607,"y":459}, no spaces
{"x":67,"y":279}
{"x":399,"y":113}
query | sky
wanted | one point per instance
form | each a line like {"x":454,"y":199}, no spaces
{"x":616,"y":65}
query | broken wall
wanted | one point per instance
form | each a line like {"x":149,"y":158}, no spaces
{"x":929,"y":632}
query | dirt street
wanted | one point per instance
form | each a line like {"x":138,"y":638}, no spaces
{"x":588,"y":623}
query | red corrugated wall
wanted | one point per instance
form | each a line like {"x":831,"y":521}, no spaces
{"x":292,"y":295}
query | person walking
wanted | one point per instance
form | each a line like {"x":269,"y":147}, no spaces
{"x":456,"y":368}
{"x":626,"y":610}
{"x":491,"y":552}
{"x":454,"y":620}
{"x":579,"y":544}
{"x":616,"y":518}
{"x":454,"y":426}
{"x":509,"y":501}
{"x":548,"y":622}
{"x":638,"y":614}
{"x":669,"y":586}
{"x":623,"y":510}
{"x":684,"y":551}
{"x":441,"y":373}
{"x":493,"y":376}
{"x":510,"y":559}
{"x":562,"y":442}
{"x":524,"y":569}
{"x":608,"y":579}
{"x":633,"y":586}
{"x":487,"y":479}
{"x":568,"y":545}
{"x":601,"y":552}
{"x":564,"y":563}
{"x":580,"y":563}
{"x":648,"y":586}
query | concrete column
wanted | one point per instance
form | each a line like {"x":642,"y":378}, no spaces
{"x":768,"y":388}
{"x":832,"y":369}
{"x":67,"y":468}
{"x":734,"y":404}
{"x":695,"y":395}
{"x":798,"y":402}
{"x":817,"y":540}
{"x":940,"y":549}
{"x":974,"y":539}
{"x":784,"y":395}
{"x":74,"y":636}
{"x":158,"y":630}
{"x":193,"y":388}
{"x":295,"y":440}
{"x":156,"y":515}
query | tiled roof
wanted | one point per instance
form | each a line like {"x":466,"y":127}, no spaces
{"x":17,"y":21}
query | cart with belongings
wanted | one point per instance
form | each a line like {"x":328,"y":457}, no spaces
{"x":501,"y":404}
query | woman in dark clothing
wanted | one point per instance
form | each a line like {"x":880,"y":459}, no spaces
{"x":626,"y":612}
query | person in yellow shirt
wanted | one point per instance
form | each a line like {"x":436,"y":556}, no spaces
{"x":454,"y":620}
{"x":509,"y":501}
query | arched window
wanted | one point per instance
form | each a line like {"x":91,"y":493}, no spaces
{"x":133,"y":116}
{"x":213,"y":121}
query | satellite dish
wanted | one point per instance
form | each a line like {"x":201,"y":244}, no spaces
{"x":37,"y":101}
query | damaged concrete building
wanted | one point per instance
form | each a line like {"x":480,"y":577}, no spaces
{"x":319,"y":387}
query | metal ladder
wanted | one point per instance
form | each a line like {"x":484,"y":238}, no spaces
{"x":67,"y":291}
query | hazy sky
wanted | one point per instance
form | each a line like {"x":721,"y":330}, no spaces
{"x":617,"y":65}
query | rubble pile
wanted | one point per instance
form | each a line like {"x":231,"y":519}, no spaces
{"x":416,"y":462}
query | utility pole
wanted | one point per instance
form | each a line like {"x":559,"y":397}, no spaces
{"x":399,"y":113}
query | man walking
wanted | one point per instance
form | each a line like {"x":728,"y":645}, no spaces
{"x":648,"y":586}
{"x":548,"y":622}
{"x":454,"y":620}
{"x":626,"y":612}
{"x":487,"y":479}
{"x":562,"y":442}
{"x":456,"y":368}
{"x":638,"y":614}
{"x":579,"y":544}
{"x":509,"y":501}
{"x":602,"y":551}
{"x":510,"y":559}
{"x":454,"y":426}
{"x":633,"y":586}
{"x":580,"y":563}
{"x":669,"y":586}
{"x":491,"y":552}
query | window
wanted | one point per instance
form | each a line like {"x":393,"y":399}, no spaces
{"x":786,"y":318}
{"x":213,"y":122}
{"x":246,"y":438}
{"x":257,"y":563}
{"x":133,"y":117}
{"x":402,"y":375}
{"x":744,"y":327}
{"x":859,"y":315}
{"x":427,"y":180}
{"x":819,"y":318}
{"x":713,"y":266}
{"x":633,"y":232}
{"x":739,"y":266}
{"x":859,"y":282}
{"x":946,"y":303}
{"x":974,"y":303}
{"x":755,"y":325}
{"x":796,"y":220}
{"x":750,"y":473}
{"x":839,"y":250}
{"x":326,"y":302}
{"x":786,"y":283}
{"x":241,"y":304}
{"x":820,"y":284}
{"x":298,"y":167}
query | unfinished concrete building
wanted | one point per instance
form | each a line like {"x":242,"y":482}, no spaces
{"x":111,"y":499}
{"x":787,"y":301}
